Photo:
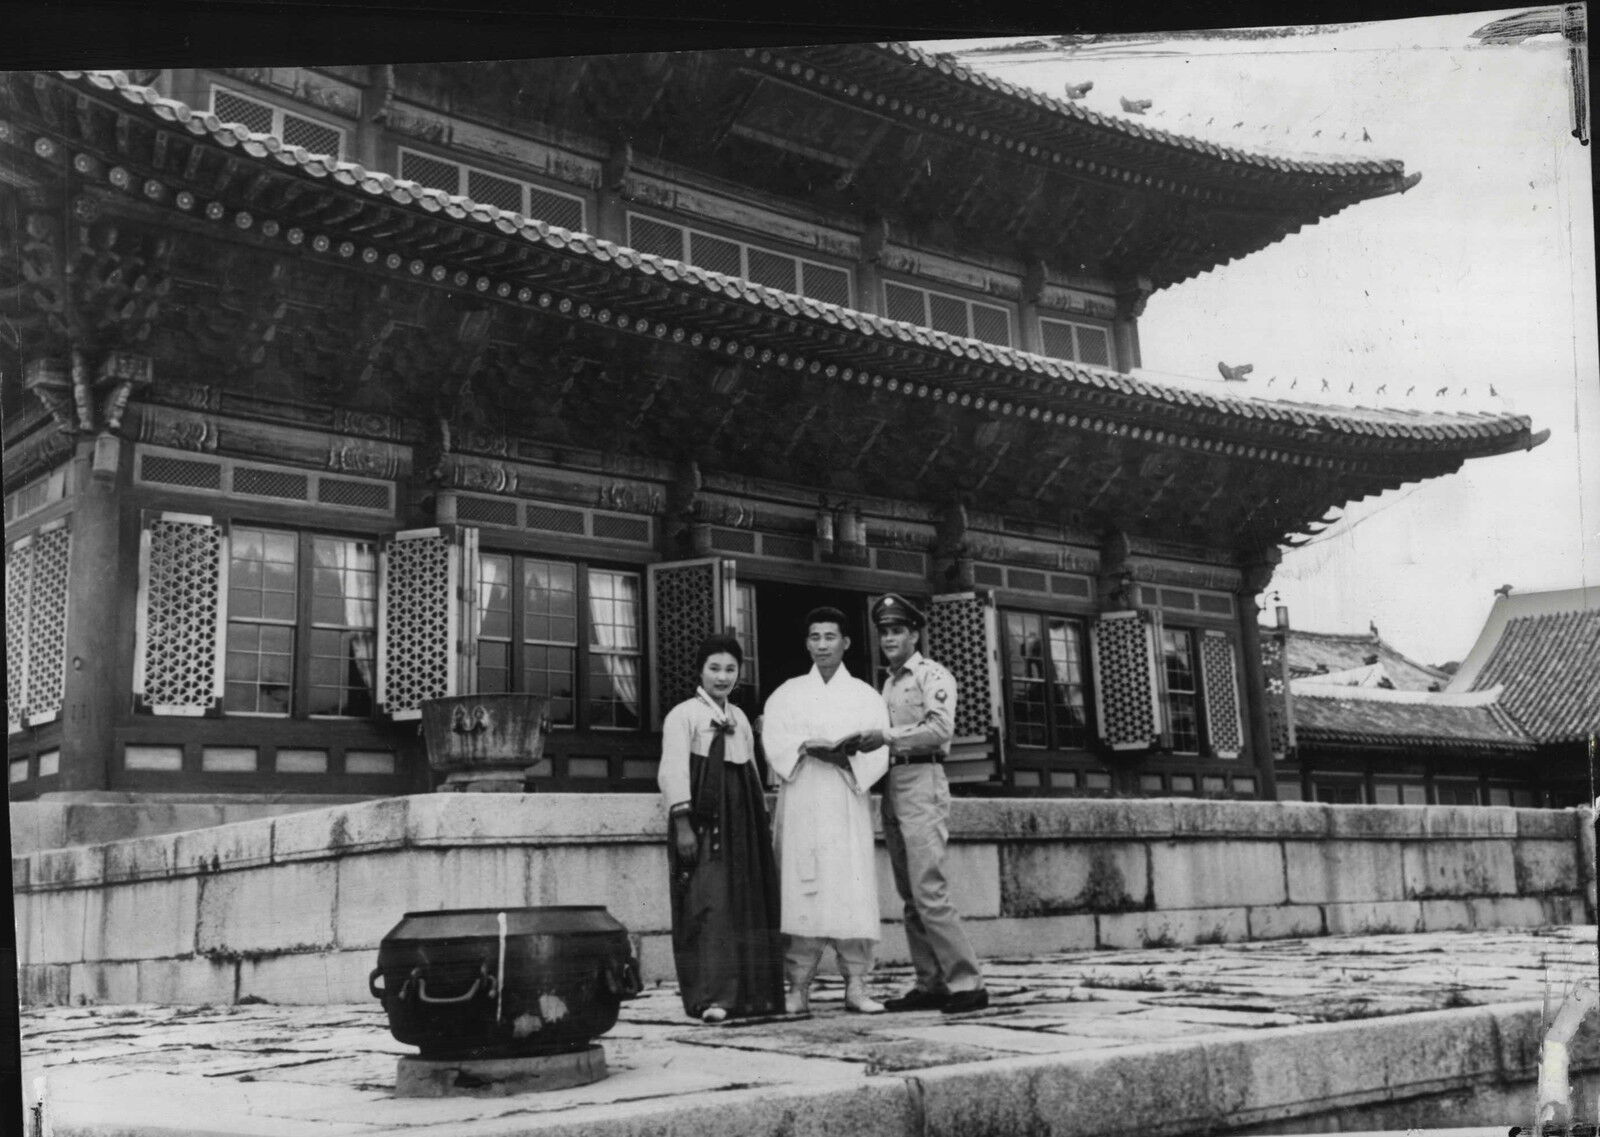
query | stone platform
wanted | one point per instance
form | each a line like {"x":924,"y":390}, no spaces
{"x":1353,"y":1033}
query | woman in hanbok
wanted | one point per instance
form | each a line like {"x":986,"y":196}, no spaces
{"x":719,"y":847}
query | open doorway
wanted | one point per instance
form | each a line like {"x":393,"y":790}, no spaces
{"x":781,"y":634}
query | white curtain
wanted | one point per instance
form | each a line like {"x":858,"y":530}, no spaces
{"x":355,"y":563}
{"x":614,"y":636}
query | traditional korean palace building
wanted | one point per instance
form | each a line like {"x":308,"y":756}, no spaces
{"x":330,"y":391}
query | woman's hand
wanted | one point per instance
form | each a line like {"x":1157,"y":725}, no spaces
{"x":686,"y":840}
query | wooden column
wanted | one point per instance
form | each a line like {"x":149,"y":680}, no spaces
{"x":1029,"y":337}
{"x":1131,"y":298}
{"x":1256,"y":578}
{"x":869,"y":278}
{"x":611,"y":213}
{"x":99,"y":622}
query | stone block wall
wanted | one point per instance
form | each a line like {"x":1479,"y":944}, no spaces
{"x":292,"y":908}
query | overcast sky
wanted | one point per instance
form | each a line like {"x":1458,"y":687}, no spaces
{"x":1483,"y":275}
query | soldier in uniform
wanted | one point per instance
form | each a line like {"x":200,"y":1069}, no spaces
{"x":921,"y":696}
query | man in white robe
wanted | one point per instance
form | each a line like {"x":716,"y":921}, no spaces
{"x":826,"y":869}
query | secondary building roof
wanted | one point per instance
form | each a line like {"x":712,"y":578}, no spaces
{"x":1361,"y":658}
{"x":1544,"y":649}
{"x":1404,"y":720}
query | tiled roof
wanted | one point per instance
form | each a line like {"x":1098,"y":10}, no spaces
{"x":1405,"y":725}
{"x":1550,"y":666}
{"x":1068,"y":110}
{"x":1473,"y":433}
{"x":1313,"y":652}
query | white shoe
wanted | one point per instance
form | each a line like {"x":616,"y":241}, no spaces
{"x":713,"y":1015}
{"x":797,"y":1001}
{"x":856,"y":999}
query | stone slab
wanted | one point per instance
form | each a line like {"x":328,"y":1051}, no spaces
{"x":336,"y":830}
{"x":1551,"y":824}
{"x":498,"y":1077}
{"x":1372,"y":918}
{"x":232,"y":846}
{"x":141,"y":858}
{"x":1547,"y":866}
{"x":971,"y":870}
{"x":187,"y":982}
{"x":104,"y":982}
{"x":1043,"y":819}
{"x":1216,"y":874}
{"x":66,"y":868}
{"x":474,"y":819}
{"x":1166,"y":929}
{"x":309,"y":978}
{"x":1041,"y":879}
{"x":1344,"y":870}
{"x":1459,"y":869}
{"x":1285,"y":921}
{"x":1254,"y":820}
{"x":275,"y":908}
{"x":1446,"y":915}
{"x":143,"y":920}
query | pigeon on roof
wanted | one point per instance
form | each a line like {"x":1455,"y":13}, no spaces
{"x":1236,"y":373}
{"x":1080,"y":90}
{"x":1137,"y":106}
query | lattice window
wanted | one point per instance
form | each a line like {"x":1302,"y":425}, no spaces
{"x":1224,"y":729}
{"x":1082,"y":343}
{"x":511,"y":194}
{"x":962,"y":634}
{"x":554,"y":520}
{"x":1125,"y":688}
{"x":619,"y":527}
{"x":687,"y":603}
{"x":953,"y":315}
{"x":183,"y":568}
{"x":265,"y":118}
{"x":768,"y":267}
{"x":417,"y":621}
{"x":826,"y":283}
{"x":555,"y":208}
{"x":898,"y":560}
{"x":19,"y":584}
{"x":655,"y":237}
{"x":47,"y":625}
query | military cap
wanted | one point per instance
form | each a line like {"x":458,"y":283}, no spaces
{"x":892,"y":609}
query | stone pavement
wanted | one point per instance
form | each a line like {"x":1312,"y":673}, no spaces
{"x":1203,"y":1038}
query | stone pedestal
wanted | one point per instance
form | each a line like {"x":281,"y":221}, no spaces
{"x":499,"y":1077}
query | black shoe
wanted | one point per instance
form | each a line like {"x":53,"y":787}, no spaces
{"x":958,"y":1002}
{"x":917,"y":999}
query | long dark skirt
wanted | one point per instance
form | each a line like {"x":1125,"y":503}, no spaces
{"x":725,"y":906}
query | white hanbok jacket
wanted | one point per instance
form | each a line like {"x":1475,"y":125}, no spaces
{"x":823,"y":824}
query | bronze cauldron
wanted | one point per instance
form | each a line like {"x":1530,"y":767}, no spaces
{"x":485,"y":743}
{"x":498,"y":983}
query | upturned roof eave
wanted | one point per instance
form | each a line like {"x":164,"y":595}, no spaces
{"x":1059,"y":385}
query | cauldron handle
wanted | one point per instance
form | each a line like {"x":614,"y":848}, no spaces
{"x":372,"y":984}
{"x":621,"y":980}
{"x":471,"y":992}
